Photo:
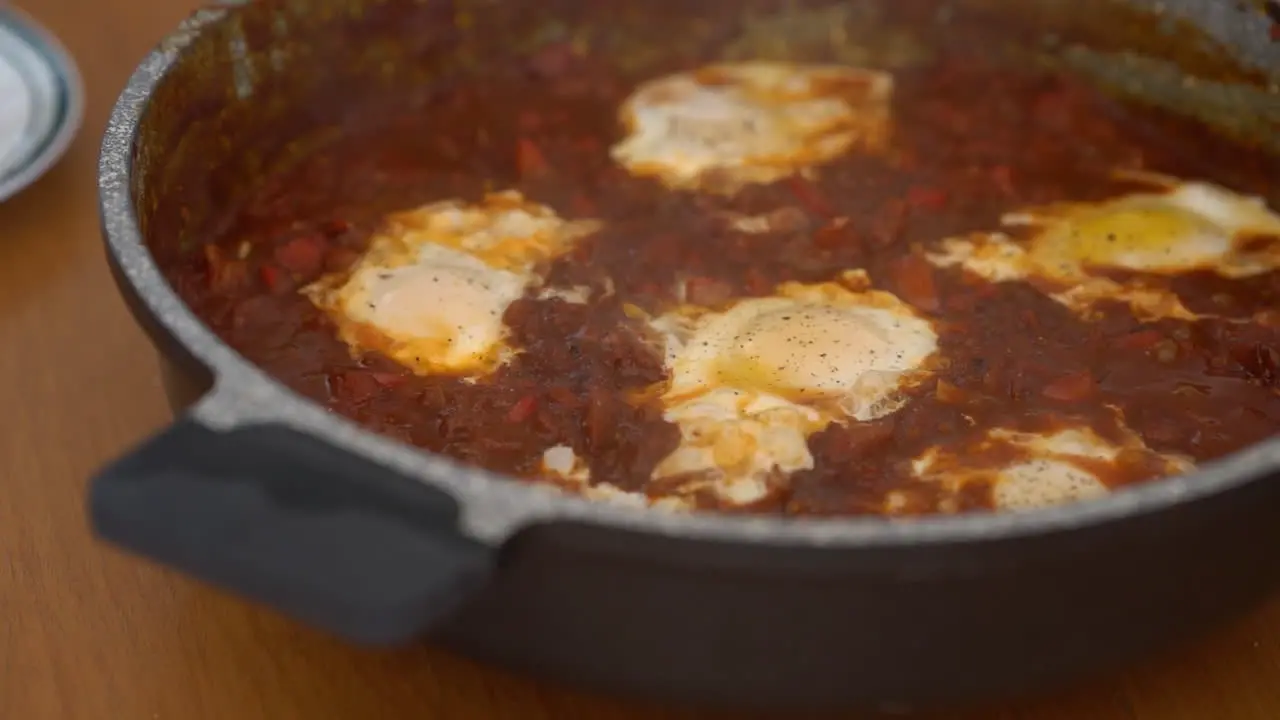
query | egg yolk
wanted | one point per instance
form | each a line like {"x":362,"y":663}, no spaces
{"x":807,"y":351}
{"x":1153,"y":237}
{"x":443,"y":316}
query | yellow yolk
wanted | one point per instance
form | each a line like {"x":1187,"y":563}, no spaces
{"x":1192,"y":226}
{"x":442,"y":313}
{"x":805,"y":351}
{"x":1145,"y":238}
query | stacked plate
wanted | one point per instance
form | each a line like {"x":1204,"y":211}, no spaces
{"x":41,"y":101}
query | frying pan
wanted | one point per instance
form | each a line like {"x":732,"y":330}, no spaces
{"x":263,"y":493}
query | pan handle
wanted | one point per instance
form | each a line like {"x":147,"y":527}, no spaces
{"x":293,"y":522}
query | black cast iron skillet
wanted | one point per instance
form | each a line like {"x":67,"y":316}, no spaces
{"x":261,"y":492}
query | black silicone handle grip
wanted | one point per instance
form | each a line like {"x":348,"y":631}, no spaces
{"x":286,"y":519}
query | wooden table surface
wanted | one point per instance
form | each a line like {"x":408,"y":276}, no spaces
{"x":89,"y":633}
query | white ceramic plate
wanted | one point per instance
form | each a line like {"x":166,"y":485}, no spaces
{"x":41,"y":101}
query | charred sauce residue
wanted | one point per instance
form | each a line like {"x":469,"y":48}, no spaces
{"x":973,"y":140}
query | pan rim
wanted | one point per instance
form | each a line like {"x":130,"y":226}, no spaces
{"x":493,"y":507}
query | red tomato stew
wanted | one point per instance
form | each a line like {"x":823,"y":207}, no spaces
{"x":1147,"y":390}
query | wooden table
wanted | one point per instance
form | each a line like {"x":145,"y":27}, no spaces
{"x":88,"y":633}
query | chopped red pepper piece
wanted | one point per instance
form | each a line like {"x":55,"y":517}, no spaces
{"x":1070,"y":388}
{"x":528,"y":120}
{"x":1140,"y":340}
{"x":388,"y":379}
{"x":562,"y":395}
{"x":523,"y":409}
{"x":335,"y":226}
{"x":274,"y":278}
{"x":530,"y":162}
{"x":913,"y":277}
{"x":949,"y":393}
{"x":599,"y":419}
{"x":225,"y":274}
{"x":213,"y":257}
{"x":302,"y":256}
{"x":1002,"y":176}
{"x":809,"y":196}
{"x":757,"y":283}
{"x":355,"y":386}
{"x":927,"y":197}
{"x":553,"y":60}
{"x":582,"y":205}
{"x":1052,"y":108}
{"x":834,"y":234}
{"x":888,"y":226}
{"x":339,"y":259}
{"x":1259,"y":362}
{"x":706,"y":291}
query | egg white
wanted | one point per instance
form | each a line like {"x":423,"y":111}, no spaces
{"x":432,"y":287}
{"x":1049,"y":469}
{"x":1178,"y":228}
{"x":569,"y":471}
{"x":750,"y":122}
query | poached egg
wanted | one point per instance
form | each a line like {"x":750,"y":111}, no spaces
{"x":432,"y":287}
{"x":723,"y":126}
{"x":1177,"y":227}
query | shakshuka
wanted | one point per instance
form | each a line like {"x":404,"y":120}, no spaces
{"x":778,"y":281}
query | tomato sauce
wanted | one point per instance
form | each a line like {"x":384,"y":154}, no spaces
{"x":973,"y":138}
